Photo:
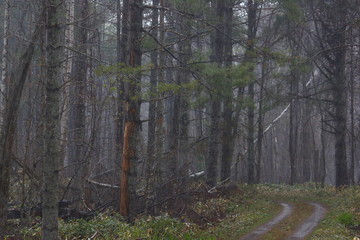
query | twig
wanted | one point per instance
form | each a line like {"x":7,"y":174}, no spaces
{"x":102,"y":184}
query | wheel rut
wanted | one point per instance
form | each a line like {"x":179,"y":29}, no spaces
{"x":309,"y":224}
{"x":301,"y":232}
{"x":286,"y":211}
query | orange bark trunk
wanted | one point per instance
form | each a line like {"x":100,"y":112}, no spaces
{"x":128,"y":153}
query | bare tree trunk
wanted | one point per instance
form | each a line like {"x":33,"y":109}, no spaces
{"x":183,"y":77}
{"x":151,"y":141}
{"x":79,"y":79}
{"x":260,"y":134}
{"x":352,"y":179}
{"x":294,"y":125}
{"x":340,"y":101}
{"x":12,"y":104}
{"x":4,"y":60}
{"x":331,"y":18}
{"x":215,"y":103}
{"x":66,"y":101}
{"x":253,"y":164}
{"x":161,"y":171}
{"x":122,"y":36}
{"x":307,"y":151}
{"x":227,"y":145}
{"x":52,"y":155}
{"x":132,"y":124}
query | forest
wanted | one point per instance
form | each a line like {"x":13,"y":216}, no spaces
{"x":141,"y":107}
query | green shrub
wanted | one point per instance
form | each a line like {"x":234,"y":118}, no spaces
{"x":347,"y":219}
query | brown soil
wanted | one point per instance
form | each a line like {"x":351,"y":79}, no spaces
{"x":282,"y":231}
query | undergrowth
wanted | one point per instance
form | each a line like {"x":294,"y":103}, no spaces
{"x":222,"y":217}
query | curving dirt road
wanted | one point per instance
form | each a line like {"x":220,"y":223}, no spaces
{"x":286,"y":211}
{"x":300,"y":233}
{"x":309,"y":224}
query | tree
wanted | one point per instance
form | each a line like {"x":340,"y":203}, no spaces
{"x":122,"y":30}
{"x":252,"y":23}
{"x":331,"y":22}
{"x":77,"y":149}
{"x":227,"y":145}
{"x":4,"y":61}
{"x":151,"y":141}
{"x":132,"y":122}
{"x":51,"y":159}
{"x":217,"y":46}
{"x":18,"y":78}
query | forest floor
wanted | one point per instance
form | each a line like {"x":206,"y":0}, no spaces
{"x":283,"y":226}
{"x":266,"y":212}
{"x":308,"y":212}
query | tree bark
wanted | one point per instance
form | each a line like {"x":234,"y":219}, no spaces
{"x":18,"y":78}
{"x":4,"y":60}
{"x":215,"y":102}
{"x":253,"y":164}
{"x":132,"y":124}
{"x":122,"y":38}
{"x":161,"y":171}
{"x":183,"y":77}
{"x":260,"y":133}
{"x":79,"y":79}
{"x":227,"y":145}
{"x":331,"y":17}
{"x":294,"y":125}
{"x":51,"y":159}
{"x":151,"y":141}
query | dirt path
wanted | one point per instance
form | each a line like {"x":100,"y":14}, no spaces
{"x":287,"y":210}
{"x":309,"y":224}
{"x":303,"y":230}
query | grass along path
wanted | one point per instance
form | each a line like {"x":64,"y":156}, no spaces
{"x":237,"y":214}
{"x":309,"y":224}
{"x":263,"y":229}
{"x":285,"y":228}
{"x":342,"y":220}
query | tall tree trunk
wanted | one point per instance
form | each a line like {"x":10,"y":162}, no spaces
{"x":4,"y":60}
{"x":260,"y":134}
{"x":18,"y":78}
{"x":79,"y":76}
{"x":183,"y":77}
{"x":51,"y":159}
{"x":253,"y":165}
{"x":331,"y":22}
{"x":153,"y":83}
{"x":215,"y":103}
{"x":161,"y":171}
{"x":66,"y":95}
{"x":151,"y":141}
{"x":227,"y":144}
{"x":294,"y":125}
{"x":122,"y":36}
{"x":132,"y":124}
{"x":352,"y":117}
{"x":340,"y":101}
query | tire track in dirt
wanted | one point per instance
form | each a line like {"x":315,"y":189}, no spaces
{"x":309,"y":224}
{"x":287,"y":210}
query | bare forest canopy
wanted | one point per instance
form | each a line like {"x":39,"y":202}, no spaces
{"x":127,"y":103}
